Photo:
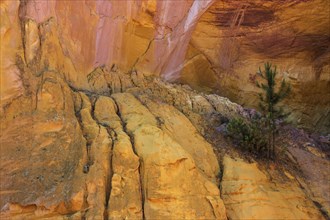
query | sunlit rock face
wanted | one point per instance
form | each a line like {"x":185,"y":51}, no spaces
{"x":86,"y":133}
{"x":214,"y":51}
{"x":234,"y":38}
{"x":11,"y":37}
{"x":132,"y":152}
{"x":147,"y":35}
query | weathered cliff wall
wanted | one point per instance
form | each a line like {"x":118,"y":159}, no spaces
{"x":132,"y":151}
{"x":222,"y":53}
{"x":146,"y":35}
{"x":86,"y":133}
{"x":234,"y":38}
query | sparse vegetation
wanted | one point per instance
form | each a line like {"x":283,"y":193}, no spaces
{"x":258,"y":135}
{"x":269,"y":100}
{"x":248,"y":135}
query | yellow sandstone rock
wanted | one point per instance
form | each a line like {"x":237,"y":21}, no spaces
{"x":249,"y":194}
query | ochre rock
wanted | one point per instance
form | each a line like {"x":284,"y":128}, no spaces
{"x":219,"y":50}
{"x":10,"y":35}
{"x":125,"y":197}
{"x":172,"y":187}
{"x":43,"y":134}
{"x":249,"y":194}
{"x":127,"y":155}
{"x":31,"y":40}
{"x":170,"y":121}
{"x":317,"y":177}
{"x":234,"y":38}
{"x":89,"y":131}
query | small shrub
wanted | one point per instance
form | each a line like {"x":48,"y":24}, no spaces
{"x":248,"y":135}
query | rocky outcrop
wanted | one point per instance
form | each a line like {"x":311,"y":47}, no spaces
{"x":135,"y":34}
{"x":89,"y":132}
{"x":212,"y":51}
{"x":43,"y":134}
{"x":128,"y":153}
{"x":165,"y":164}
{"x":312,"y":163}
{"x":97,"y":157}
{"x":249,"y":193}
{"x":170,"y":120}
{"x":124,"y":200}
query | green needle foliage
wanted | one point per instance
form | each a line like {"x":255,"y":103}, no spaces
{"x":248,"y":135}
{"x":271,"y":96}
{"x":257,"y":134}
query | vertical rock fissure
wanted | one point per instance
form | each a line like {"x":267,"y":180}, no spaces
{"x":87,"y":147}
{"x":21,"y":12}
{"x":220,"y":176}
{"x":140,"y":169}
{"x":38,"y":89}
{"x":112,"y":134}
{"x":107,"y":83}
{"x":142,"y":55}
{"x":108,"y":173}
{"x":121,"y":84}
{"x":92,"y":99}
{"x":142,"y":187}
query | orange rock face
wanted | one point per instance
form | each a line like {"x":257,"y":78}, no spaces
{"x":231,"y":40}
{"x":147,"y":35}
{"x":89,"y":131}
{"x":125,"y":152}
{"x":11,"y":84}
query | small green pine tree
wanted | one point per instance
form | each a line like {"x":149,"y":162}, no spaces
{"x":269,"y":101}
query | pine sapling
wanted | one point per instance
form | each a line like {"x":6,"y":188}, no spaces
{"x":269,"y":100}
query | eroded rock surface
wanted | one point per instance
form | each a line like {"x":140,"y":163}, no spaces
{"x":172,"y":186}
{"x":125,"y":187}
{"x":132,"y":152}
{"x":234,"y":38}
{"x":313,"y":165}
{"x":219,"y":50}
{"x":249,"y":193}
{"x":87,"y":132}
{"x":42,"y":153}
{"x":113,"y":158}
